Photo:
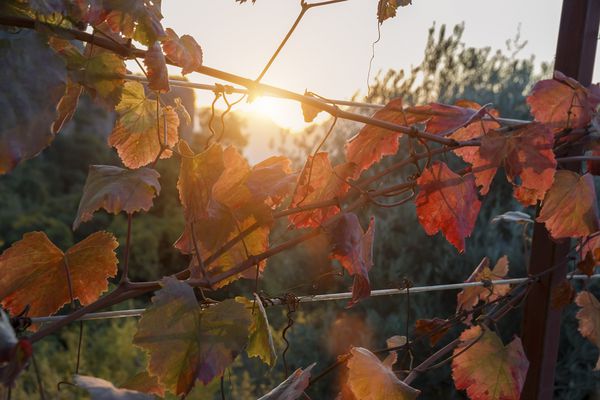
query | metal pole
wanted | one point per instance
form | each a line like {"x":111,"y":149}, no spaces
{"x":575,"y":54}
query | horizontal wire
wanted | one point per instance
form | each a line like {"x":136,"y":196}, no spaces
{"x":230,"y":89}
{"x":321,"y":297}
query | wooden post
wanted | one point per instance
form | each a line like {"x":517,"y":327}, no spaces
{"x":575,"y":53}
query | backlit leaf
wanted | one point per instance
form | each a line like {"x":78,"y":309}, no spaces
{"x":353,"y":248}
{"x":117,"y":189}
{"x":562,"y":103}
{"x":570,"y":206}
{"x":136,"y":19}
{"x":156,"y":65}
{"x":387,"y":8}
{"x":260,"y":343}
{"x":589,"y":319}
{"x":138,"y":134}
{"x":33,"y":271}
{"x":99,"y":389}
{"x":447,"y":202}
{"x":186,"y":343}
{"x":444,"y":119}
{"x":183,"y":51}
{"x":371,"y":379}
{"x":67,"y":105}
{"x":372,"y":142}
{"x":319,"y":181}
{"x":292,"y":388}
{"x":489,"y":370}
{"x":469,"y":297}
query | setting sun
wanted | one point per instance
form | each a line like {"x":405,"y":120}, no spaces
{"x":284,"y":113}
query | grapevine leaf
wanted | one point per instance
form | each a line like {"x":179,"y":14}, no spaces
{"x":144,"y":382}
{"x":186,"y":343}
{"x":28,"y":105}
{"x":592,"y":245}
{"x":562,"y":103}
{"x":387,"y":8}
{"x":447,"y":202}
{"x":371,"y":379}
{"x":469,"y":297}
{"x":260,"y":342}
{"x":369,"y":145}
{"x":587,"y":264}
{"x":488,"y":370}
{"x":309,"y":112}
{"x":183,"y":51}
{"x":136,"y":19}
{"x":67,"y":105}
{"x":444,"y":119}
{"x":34,"y":272}
{"x":158,"y":76}
{"x":395,"y":341}
{"x":589,"y":319}
{"x":99,"y":389}
{"x":136,"y":136}
{"x":292,"y":388}
{"x":102,"y":75}
{"x":117,"y":189}
{"x":569,"y":208}
{"x":562,"y":295}
{"x":319,"y":181}
{"x":435,"y":328}
{"x":353,"y":248}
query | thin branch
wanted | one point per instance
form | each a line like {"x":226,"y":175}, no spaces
{"x":431,"y":360}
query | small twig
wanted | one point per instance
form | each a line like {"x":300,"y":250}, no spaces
{"x":125,"y":273}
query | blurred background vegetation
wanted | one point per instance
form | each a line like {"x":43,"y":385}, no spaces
{"x":43,"y":194}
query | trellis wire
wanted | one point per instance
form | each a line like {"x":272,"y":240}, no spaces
{"x":323,"y":297}
{"x":232,"y":89}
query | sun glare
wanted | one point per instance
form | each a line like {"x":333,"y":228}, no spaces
{"x":283,"y":113}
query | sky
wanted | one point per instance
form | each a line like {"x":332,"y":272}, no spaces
{"x":330,"y":50}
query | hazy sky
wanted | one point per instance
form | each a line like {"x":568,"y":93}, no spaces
{"x":329,"y":52}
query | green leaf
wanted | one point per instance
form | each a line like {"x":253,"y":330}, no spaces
{"x":117,"y":189}
{"x":99,"y":389}
{"x":292,"y":388}
{"x":260,"y":343}
{"x":186,"y":343}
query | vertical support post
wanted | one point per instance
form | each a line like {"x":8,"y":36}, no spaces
{"x":575,"y":53}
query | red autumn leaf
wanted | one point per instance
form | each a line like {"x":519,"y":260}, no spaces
{"x":562,"y":103}
{"x":488,"y":370}
{"x":435,"y":328}
{"x":137,"y":20}
{"x":138,"y":134}
{"x":158,"y":76}
{"x":592,"y":245}
{"x":371,"y":379}
{"x":117,"y":189}
{"x":589,"y":319}
{"x":587,"y":264}
{"x":67,"y":105}
{"x":469,"y":297}
{"x":353,"y":248}
{"x":447,"y":202}
{"x":183,"y":51}
{"x":33,"y":271}
{"x":570,"y":206}
{"x":319,"y":181}
{"x":372,"y":142}
{"x":443,"y":119}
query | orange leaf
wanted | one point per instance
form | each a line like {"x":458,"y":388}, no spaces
{"x":470,"y":296}
{"x":158,"y":76}
{"x":589,"y":319}
{"x":443,"y":119}
{"x":138,"y":134}
{"x":117,"y":189}
{"x":569,"y":208}
{"x":67,"y":105}
{"x":489,"y":370}
{"x":371,"y":379}
{"x":319,"y":181}
{"x":373,"y":142}
{"x":562,"y":295}
{"x":183,"y":51}
{"x":353,"y":248}
{"x":292,"y":388}
{"x":447,"y":202}
{"x":562,"y":103}
{"x":34,"y":272}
